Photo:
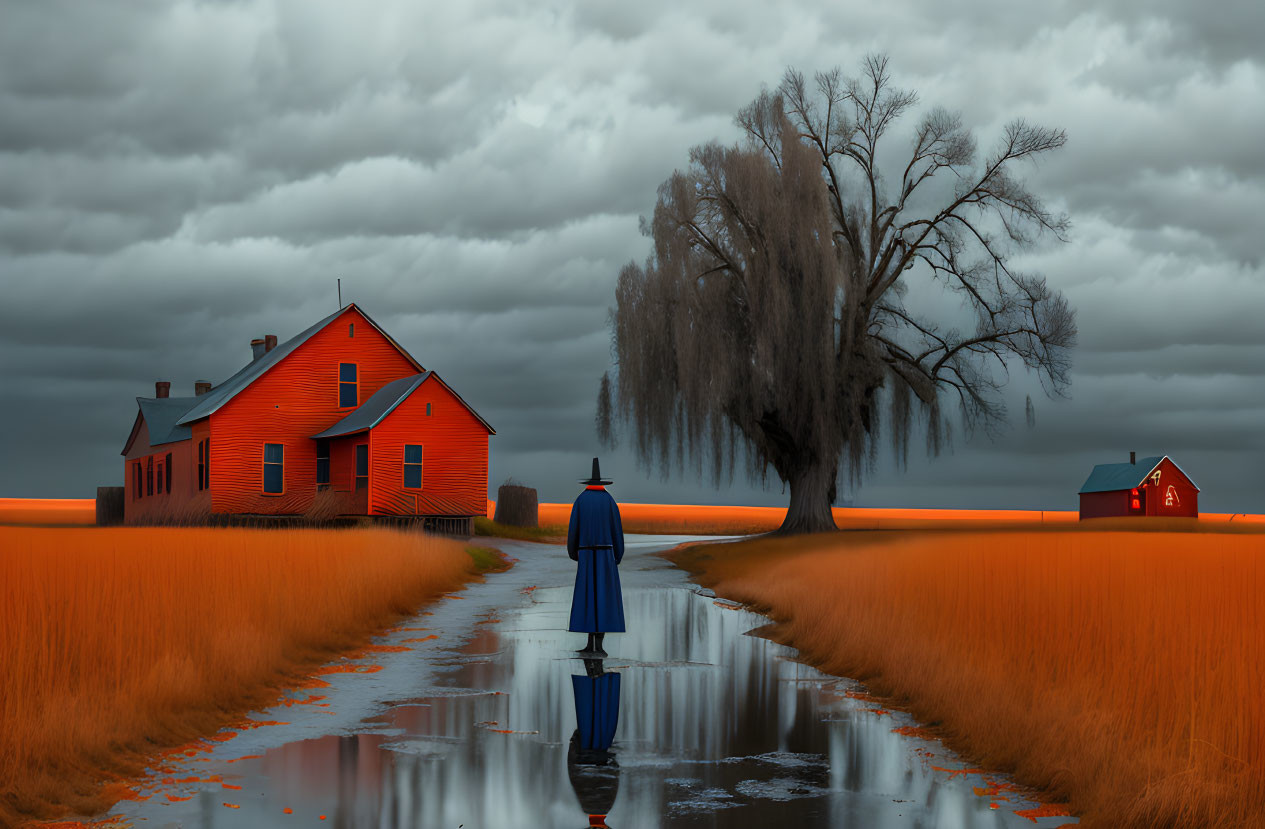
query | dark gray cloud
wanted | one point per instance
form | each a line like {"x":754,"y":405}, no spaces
{"x":176,"y":178}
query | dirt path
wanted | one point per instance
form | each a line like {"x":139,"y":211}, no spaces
{"x":471,"y":726}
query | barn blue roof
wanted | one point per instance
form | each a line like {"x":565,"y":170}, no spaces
{"x":162,"y":415}
{"x":381,"y":404}
{"x":1109,"y":477}
{"x":226,"y":391}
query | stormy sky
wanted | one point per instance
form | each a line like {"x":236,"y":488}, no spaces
{"x":179,"y":177}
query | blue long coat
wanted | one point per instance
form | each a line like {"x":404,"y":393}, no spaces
{"x":596,"y":710}
{"x":595,"y":540}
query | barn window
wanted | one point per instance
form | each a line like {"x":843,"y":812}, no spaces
{"x":322,"y":463}
{"x":149,"y":475}
{"x":207,"y":476}
{"x":428,"y":410}
{"x":136,"y":480}
{"x":347,"y":386}
{"x":201,"y":465}
{"x":351,"y":329}
{"x":160,"y":477}
{"x":412,"y":466}
{"x":274,"y":468}
{"x":168,"y":478}
{"x":362,"y":466}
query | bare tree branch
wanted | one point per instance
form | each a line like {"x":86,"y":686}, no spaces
{"x":770,"y":315}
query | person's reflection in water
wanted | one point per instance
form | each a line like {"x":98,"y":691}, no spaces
{"x":590,"y":762}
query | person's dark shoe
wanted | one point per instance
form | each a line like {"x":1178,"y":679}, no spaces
{"x":588,"y":647}
{"x":601,"y":654}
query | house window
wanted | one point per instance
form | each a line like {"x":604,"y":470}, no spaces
{"x":322,"y":463}
{"x":204,"y":463}
{"x":428,"y":410}
{"x":351,"y":329}
{"x":274,"y":468}
{"x":160,"y":477}
{"x":136,"y":480}
{"x":347,"y":386}
{"x":362,"y":466}
{"x":412,"y":466}
{"x":149,"y":475}
{"x":168,"y":478}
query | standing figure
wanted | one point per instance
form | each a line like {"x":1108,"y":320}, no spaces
{"x":595,"y":540}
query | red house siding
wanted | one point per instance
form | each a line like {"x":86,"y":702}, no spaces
{"x":1105,"y":504}
{"x":454,"y":457}
{"x":180,"y":503}
{"x":294,"y":400}
{"x":1170,"y":493}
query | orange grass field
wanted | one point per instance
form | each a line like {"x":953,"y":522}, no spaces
{"x":119,"y":642}
{"x":694,"y":519}
{"x":1120,"y":672}
{"x":61,"y":511}
{"x":669,"y":519}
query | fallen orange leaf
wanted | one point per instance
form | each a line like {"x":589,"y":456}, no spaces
{"x":1044,"y":810}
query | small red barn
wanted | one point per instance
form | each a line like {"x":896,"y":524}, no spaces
{"x":1150,"y":486}
{"x":339,"y":420}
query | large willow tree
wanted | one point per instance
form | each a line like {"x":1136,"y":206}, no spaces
{"x":772,"y":313}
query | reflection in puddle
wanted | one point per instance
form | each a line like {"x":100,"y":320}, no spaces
{"x":689,"y":722}
{"x":591,"y":764}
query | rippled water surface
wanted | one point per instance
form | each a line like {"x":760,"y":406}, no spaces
{"x":478,"y":727}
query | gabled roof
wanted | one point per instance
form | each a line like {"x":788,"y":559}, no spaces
{"x":381,"y":404}
{"x":161,"y":415}
{"x":384,"y":401}
{"x":226,"y":391}
{"x":1109,"y":477}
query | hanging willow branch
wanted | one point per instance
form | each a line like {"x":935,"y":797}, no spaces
{"x":771,"y":312}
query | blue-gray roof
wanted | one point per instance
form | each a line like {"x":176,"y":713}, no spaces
{"x":381,"y":404}
{"x":1109,"y":477}
{"x":161,"y":416}
{"x":226,"y":391}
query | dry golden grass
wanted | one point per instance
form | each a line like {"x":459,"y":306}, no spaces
{"x":60,"y":511}
{"x":118,"y":642}
{"x":1122,"y":672}
{"x":697,"y":519}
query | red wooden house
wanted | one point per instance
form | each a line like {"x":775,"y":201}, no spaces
{"x":338,"y":420}
{"x":1151,"y":486}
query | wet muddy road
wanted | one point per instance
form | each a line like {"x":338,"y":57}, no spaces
{"x":489,"y":720}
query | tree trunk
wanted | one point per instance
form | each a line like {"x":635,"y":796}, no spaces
{"x":812,"y":490}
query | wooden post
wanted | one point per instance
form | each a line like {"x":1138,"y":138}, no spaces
{"x":109,"y":506}
{"x":517,"y":506}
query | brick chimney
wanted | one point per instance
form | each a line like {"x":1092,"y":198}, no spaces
{"x":1133,"y":457}
{"x":201,"y":387}
{"x":256,"y":348}
{"x":270,"y":342}
{"x":162,"y":388}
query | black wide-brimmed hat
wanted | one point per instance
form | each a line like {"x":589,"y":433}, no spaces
{"x":597,"y":479}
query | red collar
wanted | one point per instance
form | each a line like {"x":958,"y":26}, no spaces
{"x":602,"y":488}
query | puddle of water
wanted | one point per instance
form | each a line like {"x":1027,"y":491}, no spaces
{"x":688,"y":722}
